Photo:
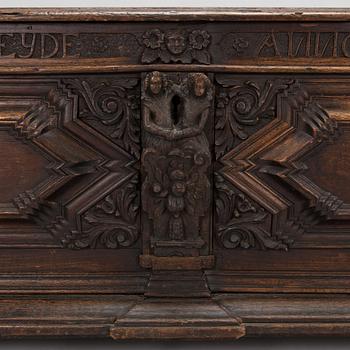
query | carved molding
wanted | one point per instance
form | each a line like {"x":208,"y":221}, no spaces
{"x":298,"y":126}
{"x":89,"y":174}
{"x":317,"y":124}
{"x":168,"y":44}
{"x":41,"y":119}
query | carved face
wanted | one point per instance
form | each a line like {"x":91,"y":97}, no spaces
{"x":178,"y":188}
{"x":155,"y":84}
{"x":199,"y":86}
{"x":176,"y":43}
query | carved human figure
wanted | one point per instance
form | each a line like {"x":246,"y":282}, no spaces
{"x":196,"y":95}
{"x":176,"y":155}
{"x":156,"y":100}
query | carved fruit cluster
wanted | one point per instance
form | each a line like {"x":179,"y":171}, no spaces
{"x":176,"y":187}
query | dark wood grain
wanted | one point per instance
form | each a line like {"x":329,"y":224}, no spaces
{"x":173,"y":14}
{"x":174,"y":173}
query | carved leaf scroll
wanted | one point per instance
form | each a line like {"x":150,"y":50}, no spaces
{"x":115,"y":105}
{"x":111,"y":223}
{"x":241,"y":108}
{"x":240,"y":223}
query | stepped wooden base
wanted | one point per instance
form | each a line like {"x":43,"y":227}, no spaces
{"x":162,"y":318}
{"x":222,"y":317}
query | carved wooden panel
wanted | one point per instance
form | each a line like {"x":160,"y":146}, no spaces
{"x":80,"y":186}
{"x":265,"y":175}
{"x":281,"y":201}
{"x":176,"y":163}
{"x":159,"y":166}
{"x":85,"y":132}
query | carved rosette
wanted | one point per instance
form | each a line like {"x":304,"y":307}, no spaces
{"x":176,"y":46}
{"x":239,"y":44}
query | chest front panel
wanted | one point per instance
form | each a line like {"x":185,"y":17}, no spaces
{"x":174,"y":159}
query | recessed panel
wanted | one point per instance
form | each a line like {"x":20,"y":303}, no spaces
{"x":22,"y":167}
{"x":329,"y":166}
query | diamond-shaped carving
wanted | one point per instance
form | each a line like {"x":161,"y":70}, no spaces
{"x":329,"y":160}
{"x":86,"y":168}
{"x":275,"y":152}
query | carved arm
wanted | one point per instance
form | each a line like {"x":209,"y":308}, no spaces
{"x":155,"y":129}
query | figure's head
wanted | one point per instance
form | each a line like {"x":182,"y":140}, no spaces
{"x":154,"y":82}
{"x":199,"y":84}
{"x":176,"y":42}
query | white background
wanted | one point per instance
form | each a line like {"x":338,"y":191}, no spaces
{"x":244,"y":344}
{"x":174,"y":3}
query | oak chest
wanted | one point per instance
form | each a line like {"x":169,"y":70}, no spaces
{"x":174,"y":174}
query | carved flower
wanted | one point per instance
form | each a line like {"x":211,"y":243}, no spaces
{"x":239,"y":44}
{"x":153,"y":38}
{"x":199,"y":39}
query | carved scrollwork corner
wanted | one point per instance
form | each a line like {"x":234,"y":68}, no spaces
{"x":240,"y":223}
{"x":113,"y":222}
{"x":241,"y":108}
{"x":114,"y":105}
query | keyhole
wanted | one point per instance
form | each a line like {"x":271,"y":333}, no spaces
{"x":175,"y":109}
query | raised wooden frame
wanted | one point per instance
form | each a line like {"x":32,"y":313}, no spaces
{"x":277,"y":264}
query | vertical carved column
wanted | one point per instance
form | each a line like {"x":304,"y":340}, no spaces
{"x":176,"y":171}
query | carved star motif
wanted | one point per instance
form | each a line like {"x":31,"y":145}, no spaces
{"x":277,"y":150}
